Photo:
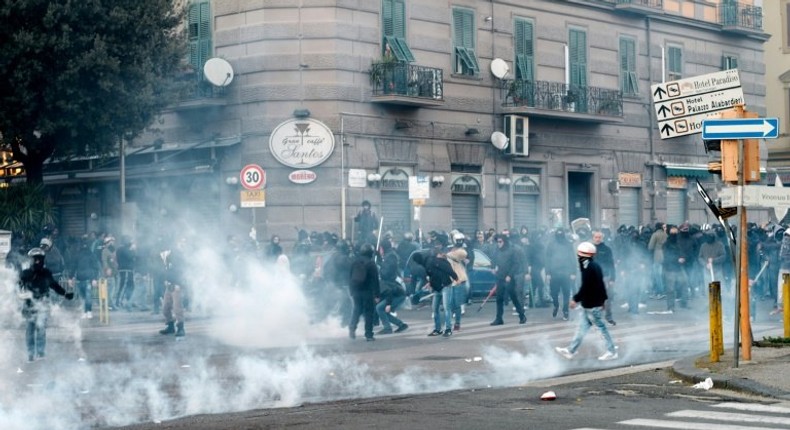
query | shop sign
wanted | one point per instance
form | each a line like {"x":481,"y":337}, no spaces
{"x":253,"y":198}
{"x":357,"y":178}
{"x":302,"y":143}
{"x":677,"y":182}
{"x":302,"y":176}
{"x":632,"y":180}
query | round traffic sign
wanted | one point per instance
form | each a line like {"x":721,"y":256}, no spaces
{"x":253,"y":177}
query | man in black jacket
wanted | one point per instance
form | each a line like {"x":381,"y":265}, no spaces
{"x":509,"y":265}
{"x":35,"y":283}
{"x":605,"y":258}
{"x":592,"y":296}
{"x":364,"y":289}
{"x":439,"y":274}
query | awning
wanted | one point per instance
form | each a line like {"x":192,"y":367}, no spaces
{"x":688,"y":170}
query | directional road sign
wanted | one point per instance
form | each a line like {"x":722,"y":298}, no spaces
{"x":682,"y":105}
{"x":756,"y":196}
{"x":740,"y":128}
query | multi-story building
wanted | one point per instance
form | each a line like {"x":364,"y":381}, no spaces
{"x":777,"y":85}
{"x":341,"y":101}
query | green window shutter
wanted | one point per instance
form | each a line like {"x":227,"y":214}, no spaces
{"x":629,"y":82}
{"x":729,"y":62}
{"x":387,"y":26}
{"x":199,"y":33}
{"x":464,"y":41}
{"x":393,"y":24}
{"x":525,"y":49}
{"x":578,"y":57}
{"x":675,"y":62}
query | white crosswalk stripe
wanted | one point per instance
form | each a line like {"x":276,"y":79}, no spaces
{"x":764,"y":417}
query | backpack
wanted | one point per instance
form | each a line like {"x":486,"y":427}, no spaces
{"x":359,"y":272}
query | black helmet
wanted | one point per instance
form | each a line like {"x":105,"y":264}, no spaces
{"x":366,"y":250}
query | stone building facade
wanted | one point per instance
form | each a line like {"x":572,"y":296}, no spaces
{"x":420,"y":91}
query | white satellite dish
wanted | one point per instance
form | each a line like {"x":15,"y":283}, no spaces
{"x":499,"y":140}
{"x":499,"y":68}
{"x":218,"y":71}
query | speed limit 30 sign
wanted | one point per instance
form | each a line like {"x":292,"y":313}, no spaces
{"x":253,"y":177}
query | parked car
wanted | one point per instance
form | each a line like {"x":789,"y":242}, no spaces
{"x":481,"y":276}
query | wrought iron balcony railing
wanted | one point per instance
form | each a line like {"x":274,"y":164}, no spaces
{"x":394,"y":78}
{"x":736,"y":16}
{"x":558,"y":96}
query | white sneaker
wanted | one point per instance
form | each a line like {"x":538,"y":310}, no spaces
{"x":624,"y":306}
{"x":395,"y":314}
{"x":642,"y":306}
{"x":463,"y":309}
{"x":89,"y":315}
{"x":608,"y":356}
{"x":564,"y":352}
{"x":85,"y":315}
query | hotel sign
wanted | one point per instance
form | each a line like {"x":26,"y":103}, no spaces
{"x":302,"y":143}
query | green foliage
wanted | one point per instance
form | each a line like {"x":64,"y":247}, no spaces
{"x":25,"y":209}
{"x":75,"y":76}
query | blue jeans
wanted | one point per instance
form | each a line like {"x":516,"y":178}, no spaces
{"x":36,"y":333}
{"x":84,"y":289}
{"x":453,"y":298}
{"x":592,"y":316}
{"x":436,"y":301}
{"x":386,"y":319}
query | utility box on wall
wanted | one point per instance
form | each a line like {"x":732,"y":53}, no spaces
{"x":517,"y":130}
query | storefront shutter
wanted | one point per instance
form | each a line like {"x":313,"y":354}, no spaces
{"x":628,"y":213}
{"x":525,"y":211}
{"x":676,"y":206}
{"x":465,"y":212}
{"x":396,"y":211}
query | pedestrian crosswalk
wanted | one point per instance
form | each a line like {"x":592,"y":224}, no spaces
{"x":724,"y":416}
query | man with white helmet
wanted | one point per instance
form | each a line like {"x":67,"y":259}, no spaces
{"x":35,"y":283}
{"x":592,"y":296}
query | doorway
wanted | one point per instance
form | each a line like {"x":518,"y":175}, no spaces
{"x":580,"y":195}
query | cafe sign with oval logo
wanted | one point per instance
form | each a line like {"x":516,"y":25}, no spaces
{"x":302,"y":143}
{"x":302,"y":176}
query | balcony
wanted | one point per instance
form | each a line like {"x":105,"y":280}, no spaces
{"x":198,"y":93}
{"x":741,"y":18}
{"x":561,"y":101}
{"x":641,"y":7}
{"x":405,"y":84}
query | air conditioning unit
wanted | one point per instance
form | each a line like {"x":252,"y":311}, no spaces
{"x":517,"y":131}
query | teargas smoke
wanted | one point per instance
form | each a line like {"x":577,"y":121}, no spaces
{"x":271,"y":343}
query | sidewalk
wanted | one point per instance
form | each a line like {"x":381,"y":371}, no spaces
{"x":766,"y":374}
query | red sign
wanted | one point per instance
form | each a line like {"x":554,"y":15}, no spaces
{"x":302,"y":176}
{"x":253,"y":177}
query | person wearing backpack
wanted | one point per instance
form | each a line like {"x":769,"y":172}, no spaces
{"x":364,"y":288}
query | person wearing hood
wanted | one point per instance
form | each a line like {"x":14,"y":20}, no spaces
{"x":675,"y":263}
{"x":364,"y":288}
{"x":560,"y":271}
{"x":508,"y":267}
{"x":711,"y":256}
{"x":35,"y":284}
{"x":605,"y":259}
{"x":591,"y":296}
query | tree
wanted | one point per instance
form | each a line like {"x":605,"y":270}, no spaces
{"x":78,"y":75}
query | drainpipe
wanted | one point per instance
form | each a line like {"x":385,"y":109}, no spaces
{"x":650,"y":128}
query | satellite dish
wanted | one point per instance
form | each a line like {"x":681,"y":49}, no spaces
{"x":499,"y":140}
{"x":218,"y":71}
{"x":499,"y":68}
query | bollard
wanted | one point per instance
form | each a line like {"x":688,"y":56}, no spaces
{"x":104,"y":302}
{"x":716,"y":327}
{"x":786,"y":302}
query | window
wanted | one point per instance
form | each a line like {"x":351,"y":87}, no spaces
{"x":729,"y":62}
{"x":199,"y":28}
{"x":464,"y":42}
{"x":525,"y":49}
{"x":674,"y":63}
{"x":629,"y":81}
{"x":393,"y":24}
{"x":577,"y":48}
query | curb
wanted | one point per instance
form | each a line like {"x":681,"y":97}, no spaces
{"x":686,"y":369}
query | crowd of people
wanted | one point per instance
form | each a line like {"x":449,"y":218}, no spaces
{"x":378,"y":272}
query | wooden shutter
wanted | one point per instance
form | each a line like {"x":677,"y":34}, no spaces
{"x":578,"y":57}
{"x":629,"y":83}
{"x":525,"y":50}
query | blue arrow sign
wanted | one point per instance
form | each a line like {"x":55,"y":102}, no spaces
{"x":740,"y":128}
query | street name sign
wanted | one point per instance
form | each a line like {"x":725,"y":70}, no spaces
{"x":682,"y":105}
{"x":761,"y":196}
{"x":740,"y":128}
